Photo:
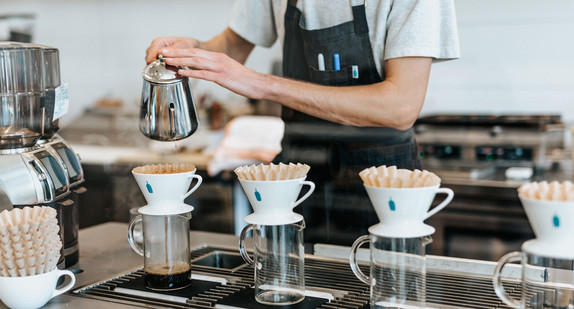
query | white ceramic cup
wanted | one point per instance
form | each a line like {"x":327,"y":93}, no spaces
{"x":399,"y":206}
{"x":551,"y":221}
{"x":33,"y":291}
{"x":273,"y":200}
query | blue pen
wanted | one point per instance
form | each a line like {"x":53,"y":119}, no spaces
{"x":336,"y":62}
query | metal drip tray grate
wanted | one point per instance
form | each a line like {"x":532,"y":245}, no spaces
{"x":220,"y":280}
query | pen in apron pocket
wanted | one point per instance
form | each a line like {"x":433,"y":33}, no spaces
{"x":321,"y":62}
{"x":336,"y":62}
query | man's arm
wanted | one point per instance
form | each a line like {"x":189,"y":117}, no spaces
{"x":394,"y":102}
{"x":229,"y":43}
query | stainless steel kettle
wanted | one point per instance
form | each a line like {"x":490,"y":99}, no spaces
{"x":167,"y":111}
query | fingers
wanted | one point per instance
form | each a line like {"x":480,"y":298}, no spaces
{"x":195,"y":58}
{"x":157,"y":45}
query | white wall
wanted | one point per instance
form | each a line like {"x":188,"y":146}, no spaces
{"x":517,"y":57}
{"x":102,"y":43}
{"x":516,"y":54}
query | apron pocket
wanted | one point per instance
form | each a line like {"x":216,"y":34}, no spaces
{"x":342,"y":77}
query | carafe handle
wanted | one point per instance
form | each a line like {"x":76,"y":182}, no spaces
{"x":515,"y":256}
{"x":242,"y":249}
{"x":199,"y":180}
{"x":353,"y":258}
{"x":131,"y":239}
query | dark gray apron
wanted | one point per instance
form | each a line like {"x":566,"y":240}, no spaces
{"x":339,"y":211}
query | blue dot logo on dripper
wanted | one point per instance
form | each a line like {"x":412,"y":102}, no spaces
{"x":556,"y":221}
{"x":257,"y":195}
{"x":148,"y":187}
{"x":392,"y":204}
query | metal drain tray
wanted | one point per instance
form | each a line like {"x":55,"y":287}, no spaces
{"x":330,"y":284}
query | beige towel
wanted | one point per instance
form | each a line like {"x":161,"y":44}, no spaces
{"x":248,"y":140}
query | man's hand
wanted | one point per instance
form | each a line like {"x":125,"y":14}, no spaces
{"x":216,"y":67}
{"x":174,"y":42}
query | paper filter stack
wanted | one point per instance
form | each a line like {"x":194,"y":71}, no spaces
{"x":30,"y":241}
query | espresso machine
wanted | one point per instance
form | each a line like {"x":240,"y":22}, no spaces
{"x":37,"y":166}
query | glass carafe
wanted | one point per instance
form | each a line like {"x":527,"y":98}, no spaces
{"x":397,"y":270}
{"x":547,"y":282}
{"x":279,"y":262}
{"x":165,"y":250}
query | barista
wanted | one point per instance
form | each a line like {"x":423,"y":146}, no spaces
{"x":355,"y":79}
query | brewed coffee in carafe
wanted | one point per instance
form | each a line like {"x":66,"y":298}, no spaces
{"x":165,"y":250}
{"x":165,"y":224}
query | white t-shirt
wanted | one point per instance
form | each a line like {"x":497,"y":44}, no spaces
{"x":397,"y":28}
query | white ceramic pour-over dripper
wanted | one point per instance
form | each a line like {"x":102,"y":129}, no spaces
{"x":273,"y":200}
{"x":165,"y":193}
{"x":553,"y":225}
{"x":403,"y":210}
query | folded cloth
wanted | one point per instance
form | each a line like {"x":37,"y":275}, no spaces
{"x":248,"y":140}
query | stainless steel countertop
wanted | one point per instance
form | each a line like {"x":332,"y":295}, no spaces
{"x":105,"y":252}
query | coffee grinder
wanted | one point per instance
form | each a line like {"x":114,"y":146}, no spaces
{"x":37,"y":166}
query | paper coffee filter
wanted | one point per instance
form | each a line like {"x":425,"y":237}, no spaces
{"x":271,"y":172}
{"x":166,"y":168}
{"x":27,"y":237}
{"x":393,"y":177}
{"x":30,"y":241}
{"x":553,"y":191}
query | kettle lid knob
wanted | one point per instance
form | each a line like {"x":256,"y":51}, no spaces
{"x":158,"y":72}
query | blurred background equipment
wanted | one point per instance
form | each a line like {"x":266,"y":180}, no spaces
{"x":17,"y":27}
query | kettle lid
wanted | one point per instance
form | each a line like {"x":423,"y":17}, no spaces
{"x":158,"y":72}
